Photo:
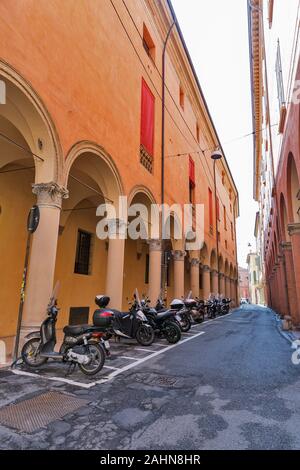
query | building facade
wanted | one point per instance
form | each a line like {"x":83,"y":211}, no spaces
{"x":244,"y":292}
{"x":275,"y":75}
{"x":256,"y":289}
{"x":81,"y":126}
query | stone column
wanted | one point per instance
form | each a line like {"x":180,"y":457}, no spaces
{"x":222,"y":284}
{"x":292,"y":260}
{"x":195,"y":262}
{"x":155,"y":253}
{"x":42,"y":255}
{"x":115,"y":263}
{"x":284,"y":297}
{"x":205,"y":281}
{"x":215,"y":282}
{"x":178,"y":256}
{"x":227,"y":286}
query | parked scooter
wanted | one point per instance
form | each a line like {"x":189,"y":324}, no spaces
{"x":225,"y":306}
{"x":181,"y":312}
{"x":82,"y":344}
{"x":163,"y":323}
{"x":194,"y":308}
{"x":132,"y":324}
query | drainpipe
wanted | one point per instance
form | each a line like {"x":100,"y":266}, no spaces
{"x":163,"y":261}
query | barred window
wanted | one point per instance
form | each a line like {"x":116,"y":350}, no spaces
{"x":83,"y":252}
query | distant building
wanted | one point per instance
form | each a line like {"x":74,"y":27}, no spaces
{"x":244,"y":291}
{"x":256,"y":286}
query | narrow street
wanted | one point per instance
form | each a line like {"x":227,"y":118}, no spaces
{"x":232,"y":387}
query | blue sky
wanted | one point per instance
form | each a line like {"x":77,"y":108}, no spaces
{"x":216,"y":33}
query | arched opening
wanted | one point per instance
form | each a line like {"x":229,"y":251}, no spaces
{"x":284,"y":219}
{"x":137,"y":257}
{"x":293,"y":189}
{"x":29,"y":153}
{"x":82,"y":257}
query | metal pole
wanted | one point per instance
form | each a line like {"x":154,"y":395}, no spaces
{"x":22,"y":298}
{"x":163,"y":263}
{"x":217,"y":227}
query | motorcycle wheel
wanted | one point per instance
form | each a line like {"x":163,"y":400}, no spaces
{"x":97,"y":360}
{"x":28,"y":353}
{"x":185,"y":323}
{"x":172,"y":332}
{"x":145,"y":335}
{"x":198,"y":320}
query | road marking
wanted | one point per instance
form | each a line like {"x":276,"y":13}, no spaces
{"x":188,"y":333}
{"x":111,"y":367}
{"x":144,"y":359}
{"x":143,"y":349}
{"x":55,"y":379}
{"x":128,"y":357}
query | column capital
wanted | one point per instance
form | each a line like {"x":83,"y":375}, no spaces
{"x":294,"y":229}
{"x":50,"y":194}
{"x":221,"y":275}
{"x":154,"y":244}
{"x":205,"y":268}
{"x":286,"y":245}
{"x":179,"y":255}
{"x":195,"y":262}
{"x":214,"y":272}
{"x":116,"y":227}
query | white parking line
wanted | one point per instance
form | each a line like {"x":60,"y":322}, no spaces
{"x":143,"y":349}
{"x":111,"y":367}
{"x":116,"y":371}
{"x":144,"y":359}
{"x":128,"y":357}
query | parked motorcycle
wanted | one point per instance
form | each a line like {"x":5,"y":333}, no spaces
{"x":225,"y":306}
{"x":132,"y":324}
{"x":181,"y":313}
{"x":163,"y":322}
{"x":194,"y":307}
{"x":83,"y":344}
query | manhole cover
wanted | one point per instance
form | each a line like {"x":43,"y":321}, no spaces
{"x":164,"y":381}
{"x":35,"y":413}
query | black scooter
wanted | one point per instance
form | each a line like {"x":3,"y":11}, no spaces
{"x":82,"y":344}
{"x":132,"y":324}
{"x":163,"y":323}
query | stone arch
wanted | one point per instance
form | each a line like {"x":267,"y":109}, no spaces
{"x":28,"y":114}
{"x":204,"y":255}
{"x":226,"y":268}
{"x":93,"y":181}
{"x":221,"y":264}
{"x":213,"y":260}
{"x":30,"y":152}
{"x":293,"y":190}
{"x":231,"y":271}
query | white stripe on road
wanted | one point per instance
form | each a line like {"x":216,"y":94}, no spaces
{"x":111,"y":367}
{"x":143,"y":349}
{"x":56,"y":379}
{"x":144,"y":359}
{"x":128,"y":357}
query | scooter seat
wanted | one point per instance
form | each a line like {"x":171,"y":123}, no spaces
{"x":164,"y":314}
{"x":75,"y":329}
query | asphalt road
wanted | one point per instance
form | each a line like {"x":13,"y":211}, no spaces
{"x":233,"y":387}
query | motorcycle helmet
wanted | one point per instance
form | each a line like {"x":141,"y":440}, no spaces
{"x":102,"y":300}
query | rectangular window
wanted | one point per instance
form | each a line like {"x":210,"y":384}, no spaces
{"x":231,"y":227}
{"x":181,"y":97}
{"x":210,"y":207}
{"x":225,"y":217}
{"x":148,"y":43}
{"x":79,"y":315}
{"x":147,"y":118}
{"x":191,"y":181}
{"x":278,"y":69}
{"x":147,"y":269}
{"x":226,"y":244}
{"x":83,"y":252}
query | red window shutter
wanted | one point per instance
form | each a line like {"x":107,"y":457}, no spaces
{"x":192,"y":171}
{"x":147,"y":118}
{"x":210,"y":202}
{"x":225,"y":218}
{"x":218,"y":208}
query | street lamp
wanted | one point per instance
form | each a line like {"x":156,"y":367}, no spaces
{"x":216,"y":155}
